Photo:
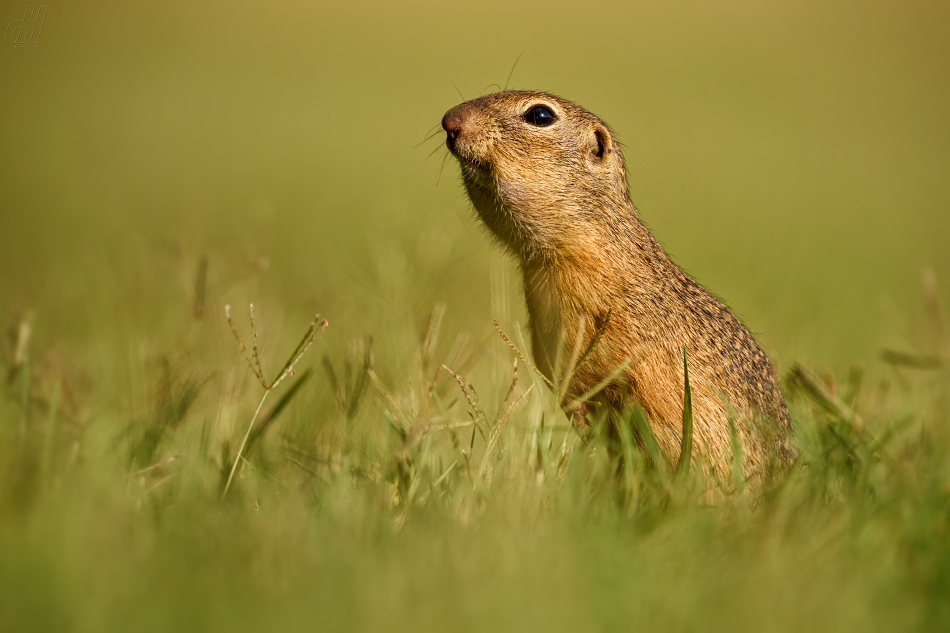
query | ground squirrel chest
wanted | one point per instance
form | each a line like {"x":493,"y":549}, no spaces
{"x":548,"y":179}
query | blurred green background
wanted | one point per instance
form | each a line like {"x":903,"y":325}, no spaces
{"x":792,"y":156}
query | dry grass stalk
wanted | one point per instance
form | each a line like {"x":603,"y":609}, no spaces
{"x":820,"y":393}
{"x":577,"y":360}
{"x":255,"y":364}
{"x":158,"y":465}
{"x":520,"y":355}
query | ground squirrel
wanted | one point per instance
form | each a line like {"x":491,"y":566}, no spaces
{"x":548,"y":179}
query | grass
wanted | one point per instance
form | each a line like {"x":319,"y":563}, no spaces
{"x":255,"y":365}
{"x":413,"y":472}
{"x":433,"y":506}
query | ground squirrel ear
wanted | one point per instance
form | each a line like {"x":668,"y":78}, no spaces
{"x":602,"y":139}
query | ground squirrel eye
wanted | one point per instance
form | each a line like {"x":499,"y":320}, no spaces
{"x":540,"y":116}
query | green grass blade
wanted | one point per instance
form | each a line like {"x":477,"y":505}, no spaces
{"x":686,"y":449}
{"x":645,"y":433}
{"x":268,"y":419}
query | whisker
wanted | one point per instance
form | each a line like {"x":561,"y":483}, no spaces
{"x":444,"y":160}
{"x":435,"y":129}
{"x":513,"y":69}
{"x":427,"y":158}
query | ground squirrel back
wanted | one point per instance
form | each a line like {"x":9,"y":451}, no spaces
{"x":548,"y":179}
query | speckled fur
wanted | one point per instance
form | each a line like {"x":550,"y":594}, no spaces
{"x":557,"y":198}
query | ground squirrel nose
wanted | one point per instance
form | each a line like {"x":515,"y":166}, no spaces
{"x":452,"y":123}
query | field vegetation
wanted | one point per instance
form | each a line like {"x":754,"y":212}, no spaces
{"x":172,"y":457}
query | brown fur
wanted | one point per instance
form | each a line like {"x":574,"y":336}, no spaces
{"x":557,"y":198}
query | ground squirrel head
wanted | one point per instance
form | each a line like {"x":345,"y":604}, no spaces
{"x":539,"y":170}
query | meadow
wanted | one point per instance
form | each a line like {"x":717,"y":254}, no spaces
{"x":163,"y":162}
